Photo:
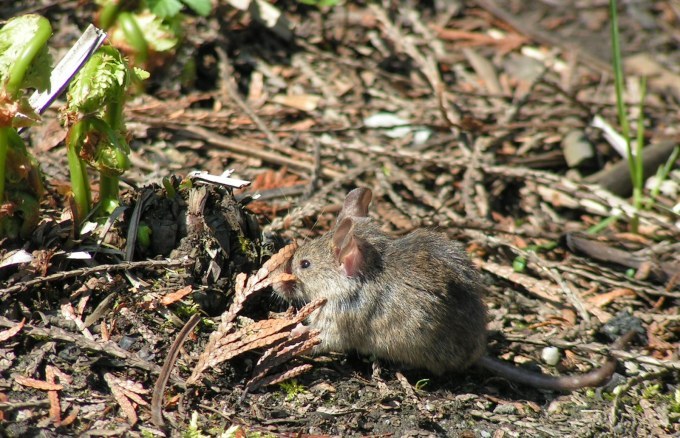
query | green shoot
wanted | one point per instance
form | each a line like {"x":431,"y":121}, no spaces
{"x":171,"y":8}
{"x":155,"y":27}
{"x":24,"y":60}
{"x":661,"y":175}
{"x":635,"y":163}
{"x":320,"y":3}
{"x":595,"y":229}
{"x":193,"y":430}
{"x":292,"y":388}
{"x":421,"y":384}
{"x":519,"y":264}
{"x":132,"y":31}
{"x":675,"y":401}
{"x":97,"y":134}
{"x":24,"y":63}
{"x":144,"y":235}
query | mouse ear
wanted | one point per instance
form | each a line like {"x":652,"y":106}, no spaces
{"x":347,"y":247}
{"x":356,"y":204}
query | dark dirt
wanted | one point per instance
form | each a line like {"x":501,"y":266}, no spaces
{"x":489,"y":96}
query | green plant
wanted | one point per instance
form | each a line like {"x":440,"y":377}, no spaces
{"x":320,"y":3}
{"x":193,"y":431}
{"x":634,"y":157}
{"x":238,"y":431}
{"x":662,"y":174}
{"x":154,"y":27}
{"x":292,"y":388}
{"x":24,"y":63}
{"x":519,"y":264}
{"x":96,"y":134}
{"x":603,"y":224}
{"x":421,"y":384}
{"x":144,"y":235}
{"x":675,"y":401}
{"x":651,"y":391}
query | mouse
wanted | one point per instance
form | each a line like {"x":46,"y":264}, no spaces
{"x":414,"y":300}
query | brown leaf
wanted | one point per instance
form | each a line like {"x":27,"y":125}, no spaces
{"x":223,"y":355}
{"x":124,"y":391}
{"x":298,"y":343}
{"x":6,"y":334}
{"x":602,"y":300}
{"x":274,"y":179}
{"x":176,"y":296}
{"x":70,"y":418}
{"x":278,"y":378}
{"x":256,"y":330}
{"x":308,"y":309}
{"x":3,"y":399}
{"x":51,"y":374}
{"x":270,"y":265}
{"x":302,"y":102}
{"x":278,"y":278}
{"x":223,"y":345}
{"x":55,"y":408}
{"x":37,"y":384}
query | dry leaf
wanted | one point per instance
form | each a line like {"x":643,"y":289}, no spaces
{"x":106,"y":335}
{"x":3,"y":399}
{"x":70,"y":314}
{"x":274,"y":179}
{"x":125,"y":392}
{"x":70,"y":418}
{"x":37,"y":384}
{"x":176,"y":296}
{"x":6,"y":334}
{"x":51,"y":374}
{"x":278,"y":378}
{"x":302,"y":102}
{"x":279,"y":334}
{"x":609,"y":297}
{"x":270,"y":266}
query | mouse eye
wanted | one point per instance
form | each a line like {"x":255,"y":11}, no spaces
{"x":304,"y":264}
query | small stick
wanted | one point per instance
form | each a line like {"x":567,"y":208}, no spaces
{"x":164,"y":375}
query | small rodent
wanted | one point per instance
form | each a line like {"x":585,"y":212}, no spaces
{"x":415,"y":300}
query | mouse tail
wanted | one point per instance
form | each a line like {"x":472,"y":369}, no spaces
{"x":594,"y":378}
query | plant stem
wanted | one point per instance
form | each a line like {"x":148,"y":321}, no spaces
{"x":15,"y":79}
{"x":662,"y":174}
{"x":108,"y":192}
{"x":134,"y":36}
{"x":108,"y":14}
{"x":23,"y":62}
{"x":622,"y":113}
{"x":80,"y":185}
{"x":4,"y":146}
{"x":29,"y":206}
{"x":638,"y":181}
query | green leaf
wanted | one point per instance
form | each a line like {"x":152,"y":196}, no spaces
{"x":23,"y":51}
{"x":165,"y":8}
{"x":519,"y":264}
{"x":141,"y":74}
{"x":103,"y":78}
{"x":320,"y":3}
{"x":201,"y":7}
{"x":159,"y":34}
{"x":144,"y":235}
